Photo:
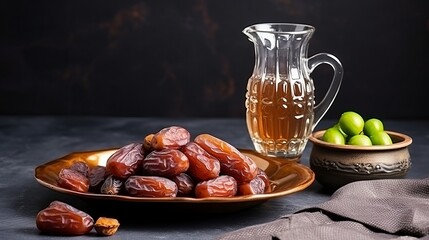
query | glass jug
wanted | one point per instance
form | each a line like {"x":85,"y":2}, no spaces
{"x":281,"y":111}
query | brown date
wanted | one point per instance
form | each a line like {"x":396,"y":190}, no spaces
{"x":170,"y":137}
{"x":222,"y":186}
{"x":263,"y":175}
{"x":147,"y":146}
{"x":106,"y":226}
{"x":232,"y":161}
{"x":96,"y":177}
{"x":150,"y":186}
{"x":60,"y":218}
{"x":111,"y":185}
{"x":125,"y":161}
{"x":73,"y":180}
{"x":185,"y":185}
{"x":165,"y":163}
{"x":81,"y":167}
{"x":255,"y":186}
{"x":202,"y":165}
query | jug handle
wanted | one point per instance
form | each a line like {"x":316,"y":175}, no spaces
{"x":322,"y":107}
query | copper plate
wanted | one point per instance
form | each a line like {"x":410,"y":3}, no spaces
{"x":287,"y":177}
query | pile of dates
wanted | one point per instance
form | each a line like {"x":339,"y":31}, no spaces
{"x":169,"y":164}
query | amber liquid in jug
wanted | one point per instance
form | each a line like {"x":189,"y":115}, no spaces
{"x":280,"y":103}
{"x":279,"y":114}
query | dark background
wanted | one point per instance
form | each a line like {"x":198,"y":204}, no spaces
{"x":190,"y":58}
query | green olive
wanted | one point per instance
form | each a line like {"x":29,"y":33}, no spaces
{"x":351,"y":123}
{"x":333,"y":135}
{"x":381,"y":138}
{"x":360,"y":140}
{"x":373,"y":126}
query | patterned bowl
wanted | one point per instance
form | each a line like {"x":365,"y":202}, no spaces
{"x":336,"y":165}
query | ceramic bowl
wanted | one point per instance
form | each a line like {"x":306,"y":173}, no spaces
{"x":336,"y":165}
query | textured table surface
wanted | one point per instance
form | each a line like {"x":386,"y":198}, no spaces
{"x":27,"y":142}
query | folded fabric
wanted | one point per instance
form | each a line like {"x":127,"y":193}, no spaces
{"x":373,"y":209}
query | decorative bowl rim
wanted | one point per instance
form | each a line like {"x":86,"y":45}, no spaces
{"x":400,"y":140}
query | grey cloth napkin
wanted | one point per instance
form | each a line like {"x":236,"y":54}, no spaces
{"x":374,"y":209}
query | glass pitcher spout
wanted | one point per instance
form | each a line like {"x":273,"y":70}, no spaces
{"x":280,"y":100}
{"x":279,"y":48}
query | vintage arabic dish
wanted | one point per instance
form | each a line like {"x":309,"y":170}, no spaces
{"x":286,"y":177}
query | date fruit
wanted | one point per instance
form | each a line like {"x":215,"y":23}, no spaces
{"x":222,"y":186}
{"x":125,"y":161}
{"x":59,"y":218}
{"x":106,"y":226}
{"x":165,"y":163}
{"x":111,"y":186}
{"x":202,"y":165}
{"x":232,"y":161}
{"x":96,"y":178}
{"x":185,"y":185}
{"x":81,"y":167}
{"x":256,"y":186}
{"x":172,"y":137}
{"x":263,"y":175}
{"x":147,"y":146}
{"x":73,"y":180}
{"x":150,"y":186}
